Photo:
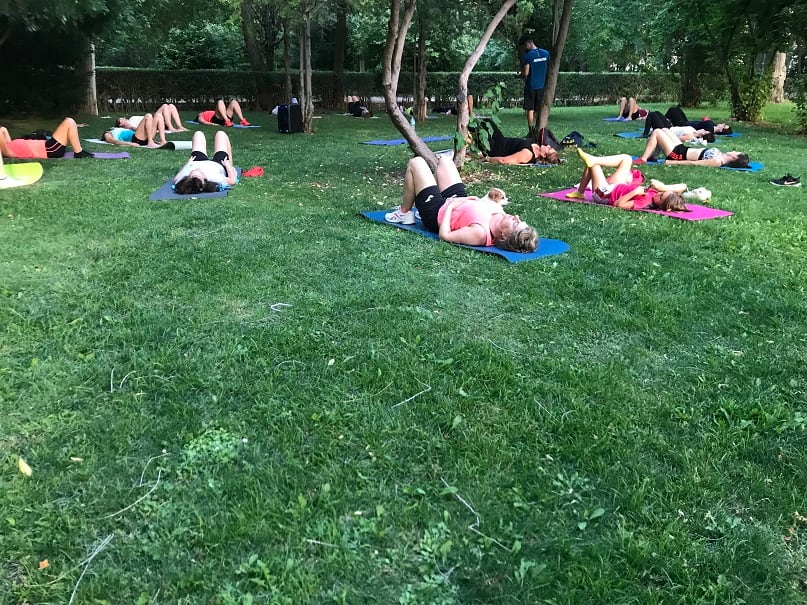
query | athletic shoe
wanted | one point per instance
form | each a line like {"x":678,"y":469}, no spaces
{"x":639,"y":161}
{"x":228,"y":123}
{"x":787,"y":181}
{"x":403,"y":218}
{"x":244,"y":123}
{"x":83,"y":154}
{"x":576,"y":195}
{"x":417,"y":214}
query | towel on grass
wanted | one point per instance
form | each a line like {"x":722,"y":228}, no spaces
{"x":166,"y":192}
{"x":222,"y":126}
{"x":21,"y":174}
{"x":403,"y":141}
{"x":181,"y":145}
{"x":697,"y":213}
{"x":546,"y":247}
{"x":752,"y":166}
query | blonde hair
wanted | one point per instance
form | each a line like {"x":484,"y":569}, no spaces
{"x":524,"y":239}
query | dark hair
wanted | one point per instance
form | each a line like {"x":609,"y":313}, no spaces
{"x":524,"y":39}
{"x":709,"y":137}
{"x":741,"y":162}
{"x":726,"y":130}
{"x":118,"y":122}
{"x":190,"y":185}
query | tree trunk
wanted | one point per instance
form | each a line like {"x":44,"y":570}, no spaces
{"x":463,"y":115}
{"x":391,"y":72}
{"x":339,"y":43}
{"x":560,"y":31}
{"x":287,"y":60}
{"x":306,"y":92}
{"x":87,"y":68}
{"x":779,"y":75}
{"x":256,"y":58}
{"x":421,"y":106}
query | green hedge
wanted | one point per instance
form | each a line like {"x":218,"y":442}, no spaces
{"x":148,"y":87}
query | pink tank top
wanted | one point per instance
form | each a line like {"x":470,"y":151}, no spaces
{"x":27,"y":149}
{"x":473,"y":212}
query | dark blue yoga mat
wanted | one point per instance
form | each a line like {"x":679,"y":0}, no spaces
{"x":403,"y":141}
{"x":166,"y":191}
{"x":546,"y":247}
{"x":752,"y":166}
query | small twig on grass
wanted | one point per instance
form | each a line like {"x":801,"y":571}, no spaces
{"x":111,"y":379}
{"x":140,"y":499}
{"x":474,"y":526}
{"x":276,"y":307}
{"x":147,"y":465}
{"x":312,"y":541}
{"x":408,"y":399}
{"x":501,"y":348}
{"x":101,"y":546}
{"x":120,"y":386}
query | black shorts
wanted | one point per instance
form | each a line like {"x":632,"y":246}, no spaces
{"x":54,"y":149}
{"x":217,"y":120}
{"x":218,"y":157}
{"x":428,"y":201}
{"x":140,"y":142}
{"x":533,"y":99}
{"x":679,"y":152}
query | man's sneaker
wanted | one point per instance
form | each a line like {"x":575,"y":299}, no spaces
{"x":787,"y":181}
{"x":402,"y":218}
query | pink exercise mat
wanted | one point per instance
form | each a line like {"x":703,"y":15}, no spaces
{"x":696,"y":213}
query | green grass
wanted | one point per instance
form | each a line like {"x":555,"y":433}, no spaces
{"x":624,"y":423}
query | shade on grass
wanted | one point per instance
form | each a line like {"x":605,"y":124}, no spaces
{"x":268,"y":395}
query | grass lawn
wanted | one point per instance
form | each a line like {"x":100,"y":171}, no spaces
{"x":416,"y":423}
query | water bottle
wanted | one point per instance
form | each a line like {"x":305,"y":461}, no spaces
{"x":412,"y":121}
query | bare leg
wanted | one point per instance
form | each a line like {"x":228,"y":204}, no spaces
{"x":446,"y":173}
{"x":221,"y":110}
{"x":222,"y":143}
{"x":660,"y":138}
{"x":530,"y":119}
{"x":159,"y":128}
{"x":66,"y":133}
{"x":199,"y":143}
{"x":418,"y":177}
{"x":172,"y":119}
{"x":622,"y":103}
{"x":235,"y":109}
{"x":4,"y":139}
{"x":145,"y":130}
{"x":633,"y":107}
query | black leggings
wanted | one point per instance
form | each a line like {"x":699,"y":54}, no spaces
{"x":677,"y":116}
{"x":655,"y":120}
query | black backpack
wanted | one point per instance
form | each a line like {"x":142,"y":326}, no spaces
{"x":40,"y":134}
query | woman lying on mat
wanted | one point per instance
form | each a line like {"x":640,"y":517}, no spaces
{"x":356,"y":108}
{"x":66,"y":133}
{"x":500,"y":149}
{"x":203,"y":175}
{"x":629,"y":109}
{"x":446,"y":209}
{"x":678,"y":153}
{"x":655,"y":119}
{"x":677,"y":117}
{"x":167,"y":112}
{"x":223,"y":115}
{"x":141,"y":136}
{"x":623,"y":188}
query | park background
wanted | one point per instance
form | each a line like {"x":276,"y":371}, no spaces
{"x":268,"y":399}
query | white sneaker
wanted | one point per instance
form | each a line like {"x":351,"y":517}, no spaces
{"x":403,"y":218}
{"x":701,"y":194}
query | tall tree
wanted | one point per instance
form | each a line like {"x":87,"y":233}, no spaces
{"x":561,"y":17}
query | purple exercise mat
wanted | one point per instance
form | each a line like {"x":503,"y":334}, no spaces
{"x":101,"y":155}
{"x":696,"y":213}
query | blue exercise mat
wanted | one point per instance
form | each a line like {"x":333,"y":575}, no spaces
{"x":546,"y":247}
{"x":403,"y":141}
{"x":615,"y":119}
{"x":221,"y":126}
{"x":166,"y":191}
{"x":733,"y":134}
{"x":752,"y":166}
{"x":633,"y":134}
